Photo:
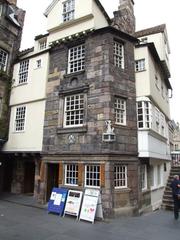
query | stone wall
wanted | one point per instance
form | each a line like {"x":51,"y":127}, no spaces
{"x":101,"y":82}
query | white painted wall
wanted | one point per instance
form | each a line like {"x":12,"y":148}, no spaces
{"x":35,"y":88}
{"x":31,"y":138}
{"x":157,"y":192}
{"x":151,"y":146}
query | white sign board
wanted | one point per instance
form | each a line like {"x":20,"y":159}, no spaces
{"x":73,"y":203}
{"x":89,"y":205}
{"x":57,"y":200}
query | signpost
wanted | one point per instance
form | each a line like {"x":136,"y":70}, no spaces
{"x":73,"y":203}
{"x":89,"y":206}
{"x":57,"y":200}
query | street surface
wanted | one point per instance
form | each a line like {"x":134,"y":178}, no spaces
{"x":18,"y":222}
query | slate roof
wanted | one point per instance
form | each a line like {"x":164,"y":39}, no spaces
{"x":150,"y":31}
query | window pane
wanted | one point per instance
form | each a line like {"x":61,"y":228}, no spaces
{"x":92,"y":177}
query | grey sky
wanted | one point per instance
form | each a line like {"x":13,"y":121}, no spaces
{"x":148,"y":14}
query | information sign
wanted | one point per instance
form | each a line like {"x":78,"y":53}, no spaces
{"x":73,"y":203}
{"x":57,"y":200}
{"x":89,"y":205}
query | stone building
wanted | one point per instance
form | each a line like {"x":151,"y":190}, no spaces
{"x":86,"y":101}
{"x":11,"y":24}
{"x":78,"y":127}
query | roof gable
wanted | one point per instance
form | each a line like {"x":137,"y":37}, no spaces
{"x":54,"y":2}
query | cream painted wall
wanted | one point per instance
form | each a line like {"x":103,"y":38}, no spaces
{"x":159,"y":41}
{"x":99,"y":19}
{"x":72,"y":29}
{"x":82,"y":9}
{"x":142,"y":78}
{"x":146,"y":83}
{"x":35,"y":88}
{"x":31,"y":138}
{"x":159,"y":98}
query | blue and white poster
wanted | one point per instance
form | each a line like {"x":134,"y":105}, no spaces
{"x":57,"y":200}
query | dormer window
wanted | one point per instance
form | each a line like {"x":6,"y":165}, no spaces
{"x":68,"y":10}
{"x":42,"y":44}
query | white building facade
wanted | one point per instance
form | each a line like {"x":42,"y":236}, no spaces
{"x":153,"y":90}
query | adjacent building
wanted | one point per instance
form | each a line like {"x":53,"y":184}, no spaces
{"x":11,"y":24}
{"x":153,"y":90}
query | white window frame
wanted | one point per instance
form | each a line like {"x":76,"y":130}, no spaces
{"x":74,"y":112}
{"x":76,"y":59}
{"x":157,"y":176}
{"x":119,"y":55}
{"x":20,"y":118}
{"x":3,"y":59}
{"x":96,"y":180}
{"x":42,"y":44}
{"x":38,"y":63}
{"x":144,"y":177}
{"x":120,"y":176}
{"x":144,"y":114}
{"x":120,"y":111}
{"x":71,"y":174}
{"x":140,"y":65}
{"x":23,"y":71}
{"x":68,"y":10}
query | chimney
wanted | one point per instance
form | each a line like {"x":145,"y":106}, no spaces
{"x":124,"y":18}
{"x":12,"y":2}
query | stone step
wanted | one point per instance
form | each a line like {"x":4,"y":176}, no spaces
{"x":167,"y":207}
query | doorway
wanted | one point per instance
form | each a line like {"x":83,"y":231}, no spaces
{"x":29,"y":175}
{"x":7,"y":175}
{"x":52,"y":178}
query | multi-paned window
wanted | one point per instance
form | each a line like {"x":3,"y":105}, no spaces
{"x":157,"y":119}
{"x":143,"y":113}
{"x":120,"y":111}
{"x":71,"y":174}
{"x":23,"y":71}
{"x":3,"y":59}
{"x":140,"y":65}
{"x":76,"y":59}
{"x":68,"y":10}
{"x":119,"y":55}
{"x":38,"y":63}
{"x":20,"y":118}
{"x":92,"y":176}
{"x":42,"y":44}
{"x":143,"y":177}
{"x":74,"y":110}
{"x":120,"y":176}
{"x":156,"y":176}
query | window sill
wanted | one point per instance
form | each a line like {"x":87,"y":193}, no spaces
{"x":123,"y":189}
{"x":82,"y":129}
{"x":67,"y":75}
{"x":140,"y":71}
{"x":157,"y":188}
